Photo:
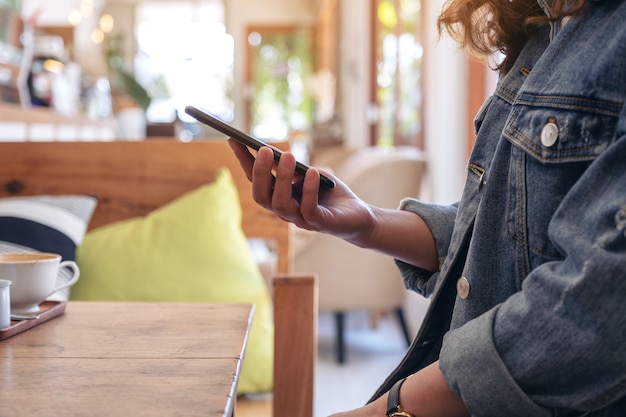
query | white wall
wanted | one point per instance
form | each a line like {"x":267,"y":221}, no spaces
{"x":354,"y":76}
{"x":445,"y":112}
{"x":51,"y":13}
{"x":55,"y":13}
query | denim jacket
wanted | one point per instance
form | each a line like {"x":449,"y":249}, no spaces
{"x":528,"y":310}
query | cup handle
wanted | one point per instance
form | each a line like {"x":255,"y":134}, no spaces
{"x":74,"y":267}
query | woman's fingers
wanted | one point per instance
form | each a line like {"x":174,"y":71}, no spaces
{"x":277,"y":187}
{"x":283,"y":188}
{"x":262,"y":178}
{"x":286,"y":203}
{"x":310,"y":194}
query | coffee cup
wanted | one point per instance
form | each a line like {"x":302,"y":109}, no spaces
{"x":34,"y":277}
{"x":5,"y":299}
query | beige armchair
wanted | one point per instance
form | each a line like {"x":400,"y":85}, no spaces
{"x":351,"y":278}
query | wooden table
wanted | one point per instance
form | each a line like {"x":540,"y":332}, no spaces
{"x":127,"y":359}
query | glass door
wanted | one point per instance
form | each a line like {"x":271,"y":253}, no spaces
{"x":280,"y":61}
{"x":397,"y":91}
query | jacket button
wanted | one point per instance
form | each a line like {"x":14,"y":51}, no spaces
{"x":549,"y":134}
{"x":463,"y":287}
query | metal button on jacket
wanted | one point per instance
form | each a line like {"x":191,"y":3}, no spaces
{"x":463,"y":287}
{"x":549,"y":134}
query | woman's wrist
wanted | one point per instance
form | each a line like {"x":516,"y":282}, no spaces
{"x":403,"y":235}
{"x":427,"y":394}
{"x":394,"y":408}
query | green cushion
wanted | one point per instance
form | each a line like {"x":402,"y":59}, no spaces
{"x":192,"y":249}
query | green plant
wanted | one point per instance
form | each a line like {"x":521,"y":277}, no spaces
{"x":122,"y":81}
{"x":14,"y":5}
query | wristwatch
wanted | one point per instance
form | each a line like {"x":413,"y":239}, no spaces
{"x":393,"y":401}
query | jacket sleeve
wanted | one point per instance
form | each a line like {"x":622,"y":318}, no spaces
{"x":440,"y":220}
{"x":559,"y":342}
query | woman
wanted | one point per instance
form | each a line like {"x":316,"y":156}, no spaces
{"x":527,"y":273}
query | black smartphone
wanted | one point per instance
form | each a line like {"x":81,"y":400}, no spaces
{"x":248,"y":140}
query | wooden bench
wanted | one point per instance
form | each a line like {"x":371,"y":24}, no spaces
{"x":133,"y":178}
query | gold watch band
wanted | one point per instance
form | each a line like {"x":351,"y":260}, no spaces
{"x":400,"y":414}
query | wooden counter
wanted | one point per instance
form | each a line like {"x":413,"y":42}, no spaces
{"x":44,"y":124}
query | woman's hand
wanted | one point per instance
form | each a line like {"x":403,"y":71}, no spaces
{"x":338,"y":211}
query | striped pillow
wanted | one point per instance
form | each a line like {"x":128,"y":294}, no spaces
{"x":45,"y":223}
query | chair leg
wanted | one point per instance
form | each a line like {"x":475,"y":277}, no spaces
{"x":340,"y":346}
{"x":405,"y":330}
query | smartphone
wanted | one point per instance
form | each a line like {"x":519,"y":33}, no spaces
{"x":248,"y":140}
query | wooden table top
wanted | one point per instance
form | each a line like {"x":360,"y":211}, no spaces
{"x":118,"y":359}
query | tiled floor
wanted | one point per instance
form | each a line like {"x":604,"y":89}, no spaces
{"x":370,"y":355}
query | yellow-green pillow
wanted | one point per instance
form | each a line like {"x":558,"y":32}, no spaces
{"x":192,"y":249}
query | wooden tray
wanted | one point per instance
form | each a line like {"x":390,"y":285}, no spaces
{"x":47,"y":310}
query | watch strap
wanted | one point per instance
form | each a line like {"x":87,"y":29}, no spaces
{"x":393,"y":401}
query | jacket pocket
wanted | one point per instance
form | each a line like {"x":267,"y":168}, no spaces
{"x":557,"y":135}
{"x":552,"y":147}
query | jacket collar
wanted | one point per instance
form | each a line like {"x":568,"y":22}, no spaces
{"x":546,"y":4}
{"x":555,"y":27}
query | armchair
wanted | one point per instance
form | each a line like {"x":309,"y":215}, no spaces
{"x":351,"y":278}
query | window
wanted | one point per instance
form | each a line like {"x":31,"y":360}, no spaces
{"x":280,"y":63}
{"x":184,"y":57}
{"x":397,"y":73}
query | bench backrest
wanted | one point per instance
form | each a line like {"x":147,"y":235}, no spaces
{"x":133,"y":178}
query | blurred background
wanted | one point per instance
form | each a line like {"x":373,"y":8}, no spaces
{"x":319,"y":73}
{"x":335,"y":78}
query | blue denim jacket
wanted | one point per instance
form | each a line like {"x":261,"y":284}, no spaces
{"x":528,"y":311}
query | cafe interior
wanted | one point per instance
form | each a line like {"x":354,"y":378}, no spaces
{"x":92,"y":102}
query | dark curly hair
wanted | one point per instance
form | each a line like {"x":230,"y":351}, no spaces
{"x":484,"y":27}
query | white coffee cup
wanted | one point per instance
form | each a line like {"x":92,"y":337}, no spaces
{"x":5,"y":299}
{"x":34,"y":277}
